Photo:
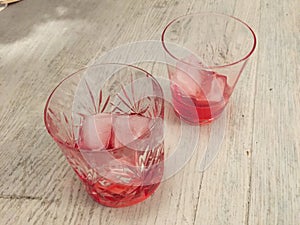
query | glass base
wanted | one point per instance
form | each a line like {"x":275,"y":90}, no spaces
{"x":105,"y":198}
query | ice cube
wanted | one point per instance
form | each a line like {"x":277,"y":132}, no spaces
{"x":128,"y":128}
{"x":187,"y":77}
{"x":185,"y":83}
{"x":215,"y":92}
{"x":95,"y":132}
{"x":201,"y":84}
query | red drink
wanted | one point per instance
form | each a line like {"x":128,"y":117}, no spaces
{"x":198,"y":109}
{"x":125,"y":184}
{"x":199,"y":96}
{"x":108,"y":121}
{"x":205,"y":53}
{"x":127,"y":168}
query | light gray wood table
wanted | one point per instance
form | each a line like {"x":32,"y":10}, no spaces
{"x":255,"y":178}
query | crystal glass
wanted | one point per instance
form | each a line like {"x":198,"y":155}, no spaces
{"x":108,"y":121}
{"x":216,"y":48}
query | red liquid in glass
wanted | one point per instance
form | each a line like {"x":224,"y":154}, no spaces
{"x":196,"y":110}
{"x":128,"y":175}
{"x":139,"y":184}
{"x":198,"y":96}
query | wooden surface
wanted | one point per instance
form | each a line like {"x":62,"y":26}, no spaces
{"x":255,"y":178}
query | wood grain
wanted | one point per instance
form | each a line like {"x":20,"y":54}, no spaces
{"x":255,"y":178}
{"x":275,"y":178}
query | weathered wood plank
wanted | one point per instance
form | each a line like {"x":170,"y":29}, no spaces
{"x":255,"y":178}
{"x":275,"y":177}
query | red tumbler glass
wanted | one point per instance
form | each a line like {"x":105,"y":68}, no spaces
{"x":108,"y":121}
{"x":216,"y":48}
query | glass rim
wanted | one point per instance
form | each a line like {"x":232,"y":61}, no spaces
{"x":216,"y":14}
{"x":75,"y":73}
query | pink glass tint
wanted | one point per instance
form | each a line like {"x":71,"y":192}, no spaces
{"x":203,"y":76}
{"x":108,"y":121}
